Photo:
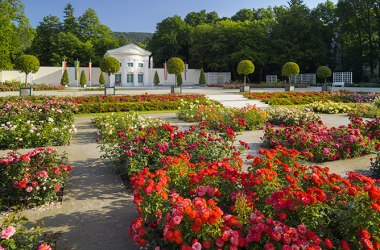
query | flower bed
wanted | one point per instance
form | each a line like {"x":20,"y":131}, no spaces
{"x":14,"y":235}
{"x":33,"y":178}
{"x":365,"y":111}
{"x":325,"y":144}
{"x":291,"y":117}
{"x":247,"y":118}
{"x":277,"y":204}
{"x":329,"y":107}
{"x":101,"y":104}
{"x":16,"y":85}
{"x":25,"y":124}
{"x":257,"y":85}
{"x":370,"y":128}
{"x":298,"y":98}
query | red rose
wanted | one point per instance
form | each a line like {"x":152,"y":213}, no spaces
{"x":57,"y":187}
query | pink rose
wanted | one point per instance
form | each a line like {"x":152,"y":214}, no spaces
{"x":44,"y":247}
{"x":8,"y":232}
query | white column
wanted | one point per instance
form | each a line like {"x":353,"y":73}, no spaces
{"x":124,"y":72}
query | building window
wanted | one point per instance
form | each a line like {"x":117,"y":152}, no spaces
{"x":130,"y":78}
{"x":117,"y":78}
{"x":130,"y":65}
{"x":141,"y":65}
{"x":140,"y":78}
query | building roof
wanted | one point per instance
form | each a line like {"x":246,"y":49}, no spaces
{"x":129,"y":49}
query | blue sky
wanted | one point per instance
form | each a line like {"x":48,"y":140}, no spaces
{"x":143,"y":15}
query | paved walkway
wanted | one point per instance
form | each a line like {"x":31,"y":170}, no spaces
{"x":237,"y":101}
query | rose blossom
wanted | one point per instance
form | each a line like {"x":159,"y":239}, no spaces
{"x":8,"y":232}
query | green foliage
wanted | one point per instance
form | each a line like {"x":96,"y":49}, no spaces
{"x":245,"y":67}
{"x":175,"y":65}
{"x":83,"y":79}
{"x":324,"y":72}
{"x":156,"y":79}
{"x":290,"y":69}
{"x":202,"y":78}
{"x":109,"y":65}
{"x":27,"y":64}
{"x":102,"y":80}
{"x":179,"y":80}
{"x":65,"y":78}
{"x":196,"y":18}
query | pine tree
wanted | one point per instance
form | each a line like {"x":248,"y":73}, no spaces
{"x":65,"y":78}
{"x":156,"y":79}
{"x":202,"y":78}
{"x":83,"y":79}
{"x":102,"y":80}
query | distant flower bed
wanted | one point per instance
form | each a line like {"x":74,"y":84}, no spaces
{"x":365,"y":110}
{"x":291,"y":117}
{"x":329,"y":107}
{"x":14,"y":235}
{"x":101,"y":104}
{"x":247,"y":118}
{"x":25,"y":124}
{"x":255,"y":85}
{"x":16,"y":85}
{"x":325,"y":144}
{"x":298,"y":98}
{"x":33,"y":178}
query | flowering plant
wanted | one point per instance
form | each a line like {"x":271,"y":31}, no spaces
{"x":291,"y":117}
{"x":33,"y":178}
{"x":365,"y":110}
{"x":246,"y":118}
{"x":329,"y":107}
{"x":15,"y":236}
{"x":25,"y":124}
{"x":376,"y":102}
{"x":325,"y":144}
{"x":276,"y":204}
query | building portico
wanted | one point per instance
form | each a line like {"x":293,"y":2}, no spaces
{"x":136,"y":66}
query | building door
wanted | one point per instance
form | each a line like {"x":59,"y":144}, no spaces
{"x":117,"y":79}
{"x":140,"y":79}
{"x":130,"y":79}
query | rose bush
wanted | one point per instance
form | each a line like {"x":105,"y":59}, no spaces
{"x":14,"y":235}
{"x":291,"y":117}
{"x":276,"y":204}
{"x":238,"y":119}
{"x":25,"y":124}
{"x":325,"y":144}
{"x":33,"y":178}
{"x":16,"y":85}
{"x":329,"y":107}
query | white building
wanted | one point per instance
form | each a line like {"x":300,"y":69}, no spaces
{"x":136,"y":66}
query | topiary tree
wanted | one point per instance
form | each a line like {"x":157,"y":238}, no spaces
{"x":324,"y":72}
{"x":83,"y":79}
{"x":245,"y":68}
{"x":202,"y":78}
{"x":290,"y":69}
{"x":65,"y":78}
{"x":156,"y":79}
{"x":27,"y":64}
{"x":102,"y":80}
{"x":110,"y":65}
{"x":179,"y":79}
{"x":175,"y":66}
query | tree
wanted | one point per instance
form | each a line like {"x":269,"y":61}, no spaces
{"x":179,"y":79}
{"x":196,"y":18}
{"x":110,"y":65}
{"x":175,"y":66}
{"x":83,"y":79}
{"x":27,"y":64}
{"x":70,"y":22}
{"x":290,"y":69}
{"x":202,"y":78}
{"x":324,"y":72}
{"x":156,"y":79}
{"x":16,"y":34}
{"x":102,"y":80}
{"x":245,"y":68}
{"x":244,"y":15}
{"x":65,"y":78}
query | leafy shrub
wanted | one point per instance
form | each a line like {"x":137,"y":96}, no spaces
{"x":202,"y":78}
{"x":376,"y":102}
{"x":33,"y":178}
{"x":247,"y":118}
{"x":65,"y":78}
{"x":365,"y":111}
{"x":329,"y":107}
{"x":83,"y":79}
{"x":278,"y":203}
{"x":25,"y":124}
{"x":156,"y":79}
{"x":291,"y":117}
{"x":325,"y":144}
{"x":102,"y":80}
{"x":14,"y":235}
